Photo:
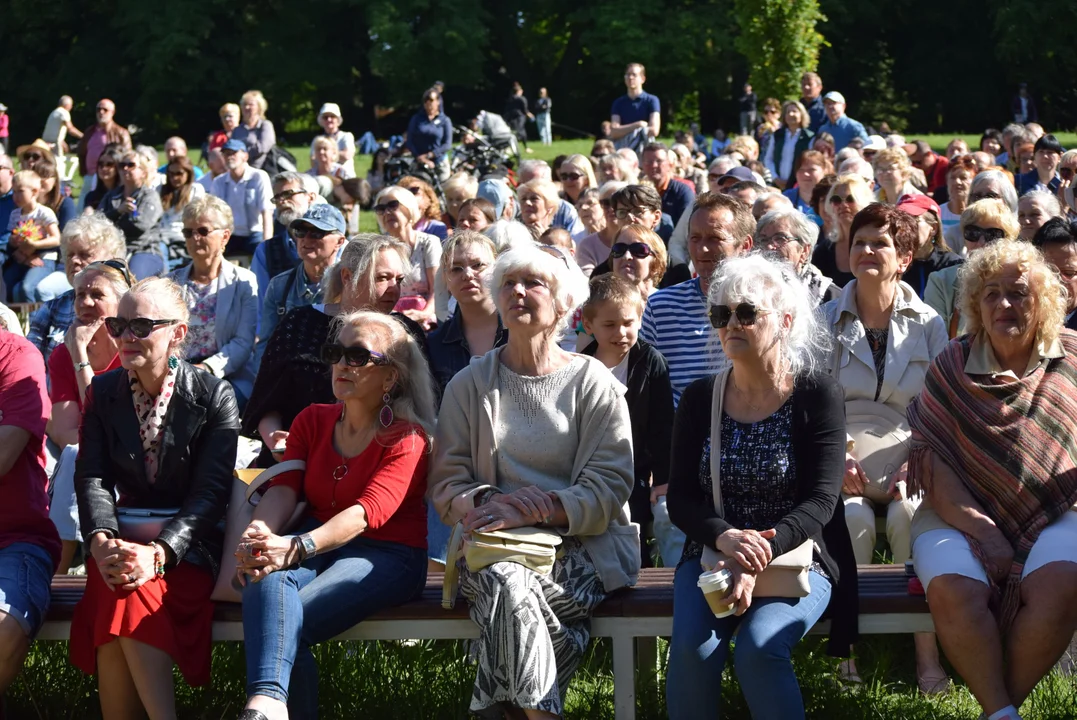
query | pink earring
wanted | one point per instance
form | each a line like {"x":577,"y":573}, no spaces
{"x":385,"y":417}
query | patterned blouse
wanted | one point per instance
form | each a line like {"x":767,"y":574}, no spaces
{"x":201,"y":333}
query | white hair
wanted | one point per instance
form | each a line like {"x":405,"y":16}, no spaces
{"x":508,"y":233}
{"x":800,"y":226}
{"x":405,"y":198}
{"x":846,"y":154}
{"x":857,"y":166}
{"x":893,"y":140}
{"x":535,"y":170}
{"x":774,"y":284}
{"x":1005,"y":187}
{"x":1049,"y":201}
{"x":723,"y":164}
{"x":568,"y":284}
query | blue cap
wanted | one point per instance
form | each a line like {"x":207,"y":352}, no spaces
{"x":324,"y":217}
{"x":234,"y":146}
{"x":497,"y":192}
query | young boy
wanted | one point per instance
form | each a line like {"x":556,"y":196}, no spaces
{"x":613,"y":315}
{"x":35,"y":236}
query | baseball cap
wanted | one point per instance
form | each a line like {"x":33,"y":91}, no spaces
{"x":234,"y":146}
{"x":324,"y":217}
{"x":834,"y":96}
{"x":738,"y":174}
{"x":917,"y":205}
{"x":875,"y":142}
{"x":330,"y":109}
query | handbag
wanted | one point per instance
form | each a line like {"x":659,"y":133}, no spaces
{"x":245,"y":484}
{"x":532,"y":547}
{"x":787,"y":574}
{"x":880,"y":442}
{"x":143,"y":525}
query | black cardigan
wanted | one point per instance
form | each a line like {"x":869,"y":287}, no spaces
{"x":819,"y":449}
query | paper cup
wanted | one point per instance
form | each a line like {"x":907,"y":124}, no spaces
{"x":717,"y":588}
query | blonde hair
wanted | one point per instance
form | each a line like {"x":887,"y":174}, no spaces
{"x":115,"y":278}
{"x":412,"y":395}
{"x":545,"y":190}
{"x":745,"y":145}
{"x":230,"y":108}
{"x":610,"y":288}
{"x":1044,"y":283}
{"x":892,"y":156}
{"x":805,"y":118}
{"x":25,"y":178}
{"x":659,"y":254}
{"x":857,"y":187}
{"x":406,"y":200}
{"x":583,"y":164}
{"x":993,"y":212}
{"x":259,"y":100}
{"x":463,"y":183}
{"x":464,"y":239}
{"x":359,"y":256}
{"x":206,"y":206}
{"x":95,"y":232}
{"x":168,"y":296}
{"x":323,"y":141}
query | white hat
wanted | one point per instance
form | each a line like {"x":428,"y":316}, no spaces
{"x":3,"y":107}
{"x":875,"y":142}
{"x":330,"y":109}
{"x":834,"y":96}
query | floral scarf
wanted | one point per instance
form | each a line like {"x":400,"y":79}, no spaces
{"x":151,"y":413}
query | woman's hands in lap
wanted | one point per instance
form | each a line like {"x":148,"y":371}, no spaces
{"x":854,"y":481}
{"x":997,"y":554}
{"x":522,"y":508}
{"x":122,"y":564}
{"x":749,"y":548}
{"x":262,"y":552}
{"x":743,"y":584}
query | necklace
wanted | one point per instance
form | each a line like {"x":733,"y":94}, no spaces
{"x":744,"y":395}
{"x":341,"y":470}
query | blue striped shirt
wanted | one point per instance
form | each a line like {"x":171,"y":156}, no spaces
{"x":676,"y":324}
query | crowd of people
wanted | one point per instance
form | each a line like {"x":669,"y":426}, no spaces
{"x":727,"y":360}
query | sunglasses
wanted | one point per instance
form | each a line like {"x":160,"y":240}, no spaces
{"x":127,"y":165}
{"x":139,"y":327}
{"x":302,"y":232}
{"x":202,"y":232}
{"x":353,"y":355}
{"x":974,"y":233}
{"x":746,"y":313}
{"x":838,"y":200}
{"x":177,"y":173}
{"x":639,"y":250}
{"x":571,"y":177}
{"x":285,"y":195}
{"x":119,"y":266}
{"x":391,"y":206}
{"x":32,"y":157}
{"x":976,"y":197}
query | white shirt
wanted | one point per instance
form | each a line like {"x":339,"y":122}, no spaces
{"x":345,"y":141}
{"x":56,"y":126}
{"x":249,"y":198}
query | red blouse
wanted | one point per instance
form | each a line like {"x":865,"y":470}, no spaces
{"x":63,"y":385}
{"x":388,"y":478}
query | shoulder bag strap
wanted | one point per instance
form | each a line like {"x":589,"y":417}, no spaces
{"x":716,"y":438}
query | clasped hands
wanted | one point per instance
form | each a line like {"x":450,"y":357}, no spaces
{"x":123,"y":564}
{"x":261,"y":552}
{"x":749,"y":553}
{"x":854,"y":482}
{"x":525,"y":507}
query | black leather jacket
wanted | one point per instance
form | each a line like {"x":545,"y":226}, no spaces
{"x":198,"y":454}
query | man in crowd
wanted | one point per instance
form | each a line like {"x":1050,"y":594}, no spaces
{"x":842,"y":127}
{"x":176,"y":147}
{"x":636,"y":116}
{"x":293,"y":194}
{"x":566,"y":216}
{"x":933,"y":165}
{"x":249,"y":193}
{"x":7,"y":202}
{"x":811,"y":89}
{"x":1023,"y":106}
{"x":747,"y":103}
{"x":106,"y":131}
{"x":29,"y":543}
{"x":59,"y":124}
{"x":677,"y":197}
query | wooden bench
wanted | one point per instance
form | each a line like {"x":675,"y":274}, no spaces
{"x":632,"y":619}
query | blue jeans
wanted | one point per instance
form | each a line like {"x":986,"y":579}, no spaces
{"x":762,"y":651}
{"x":52,"y":286}
{"x":291,"y":610}
{"x":669,"y":536}
{"x":437,"y":535}
{"x":22,"y":280}
{"x":147,"y":264}
{"x":25,"y":574}
{"x":243,"y":244}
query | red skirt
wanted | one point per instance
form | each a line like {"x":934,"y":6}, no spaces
{"x":173,"y":614}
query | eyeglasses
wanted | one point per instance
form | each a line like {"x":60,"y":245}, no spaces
{"x":556,"y":252}
{"x":778,"y":240}
{"x":188,"y":233}
{"x":391,"y":206}
{"x":625,"y":213}
{"x":974,"y":233}
{"x":746,"y":313}
{"x":976,"y":197}
{"x":571,"y":177}
{"x":139,"y":327}
{"x":638,"y":250}
{"x":838,"y":200}
{"x":353,"y":355}
{"x":306,"y":231}
{"x":119,"y":266}
{"x":127,"y":164}
{"x":285,"y":195}
{"x":477,"y":267}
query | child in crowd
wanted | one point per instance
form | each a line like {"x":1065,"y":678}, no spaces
{"x":35,"y":237}
{"x":612,"y":315}
{"x":559,"y":238}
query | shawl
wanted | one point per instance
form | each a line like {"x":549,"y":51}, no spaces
{"x":1013,"y":444}
{"x":151,"y":413}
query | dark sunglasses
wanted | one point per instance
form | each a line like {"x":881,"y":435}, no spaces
{"x":354,"y":355}
{"x":976,"y":197}
{"x":391,"y":206}
{"x":639,"y":250}
{"x":32,"y":157}
{"x":305,"y":231}
{"x":571,"y":177}
{"x":746,"y":313}
{"x":119,"y":266}
{"x":128,"y":164}
{"x":139,"y":327}
{"x":188,"y":233}
{"x":974,"y":233}
{"x":838,"y":199}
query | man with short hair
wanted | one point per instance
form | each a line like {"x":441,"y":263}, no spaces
{"x":249,"y":193}
{"x":641,"y":205}
{"x":176,"y":147}
{"x":292,"y":197}
{"x":676,"y":320}
{"x":566,"y":216}
{"x":746,"y":191}
{"x":676,"y":196}
{"x":59,"y":124}
{"x":934,"y":166}
{"x":840,"y":126}
{"x":636,"y":116}
{"x":1011,"y":131}
{"x":747,"y":104}
{"x":106,"y":131}
{"x":811,"y":90}
{"x":215,"y":163}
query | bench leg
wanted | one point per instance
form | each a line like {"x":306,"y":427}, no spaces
{"x":624,"y":677}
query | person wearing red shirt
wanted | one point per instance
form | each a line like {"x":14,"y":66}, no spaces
{"x":29,"y":545}
{"x":933,"y":165}
{"x":362,"y":546}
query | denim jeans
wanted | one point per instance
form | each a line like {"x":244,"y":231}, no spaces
{"x":22,"y":281}
{"x":669,"y":536}
{"x":25,"y":574}
{"x":437,"y":535}
{"x":147,"y":264}
{"x":239,"y":245}
{"x":291,"y":610}
{"x":762,"y":651}
{"x":52,"y":286}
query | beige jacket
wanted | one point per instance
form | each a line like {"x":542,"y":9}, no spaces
{"x":595,"y":498}
{"x":916,"y":336}
{"x":941,"y":295}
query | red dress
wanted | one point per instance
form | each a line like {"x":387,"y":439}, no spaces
{"x":173,"y":614}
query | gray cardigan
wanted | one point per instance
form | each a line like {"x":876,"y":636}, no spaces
{"x":595,"y":497}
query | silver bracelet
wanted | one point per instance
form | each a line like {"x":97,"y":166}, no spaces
{"x":79,"y":366}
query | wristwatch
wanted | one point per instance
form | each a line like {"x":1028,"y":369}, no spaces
{"x":80,"y":365}
{"x":307,"y":548}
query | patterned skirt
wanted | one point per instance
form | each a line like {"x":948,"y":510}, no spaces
{"x":535,"y":629}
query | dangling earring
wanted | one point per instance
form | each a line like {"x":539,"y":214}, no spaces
{"x":173,"y":362}
{"x":385,"y":417}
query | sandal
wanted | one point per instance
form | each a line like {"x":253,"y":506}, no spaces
{"x":847,"y":672}
{"x":935,"y":685}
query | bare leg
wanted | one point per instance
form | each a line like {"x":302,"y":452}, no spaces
{"x":539,"y":715}
{"x":433,"y":566}
{"x":13,"y":648}
{"x":270,"y":707}
{"x":969,"y":635}
{"x":1043,"y":627}
{"x":67,"y":556}
{"x":115,"y":687}
{"x":151,"y":670}
{"x":930,"y":675}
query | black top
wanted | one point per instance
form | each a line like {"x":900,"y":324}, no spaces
{"x":747,"y":102}
{"x":197,"y":455}
{"x":449,"y":351}
{"x":818,"y":451}
{"x":516,"y":108}
{"x":823,"y":258}
{"x":919,"y":270}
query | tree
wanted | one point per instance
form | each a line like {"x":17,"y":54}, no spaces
{"x":780,"y":41}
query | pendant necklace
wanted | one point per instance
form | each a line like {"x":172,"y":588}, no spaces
{"x":340,"y":470}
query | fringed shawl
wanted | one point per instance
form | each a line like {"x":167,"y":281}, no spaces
{"x":1013,"y":445}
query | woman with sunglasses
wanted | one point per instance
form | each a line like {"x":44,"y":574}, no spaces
{"x":885,"y":339}
{"x":848,"y":195}
{"x":397,"y":212}
{"x":135,"y":208}
{"x":157,"y":433}
{"x":639,"y":256}
{"x":362,"y":544}
{"x":982,"y":223}
{"x":222,"y":298}
{"x":431,"y":220}
{"x":576,"y":175}
{"x":770,"y":431}
{"x":87,"y":351}
{"x":108,"y":177}
{"x":177,"y":192}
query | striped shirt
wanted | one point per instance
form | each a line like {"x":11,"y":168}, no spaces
{"x":676,"y":324}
